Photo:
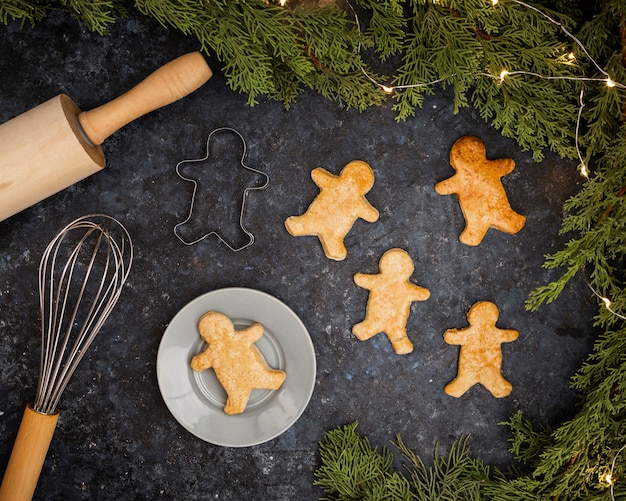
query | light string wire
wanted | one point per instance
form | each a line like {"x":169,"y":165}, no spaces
{"x":605,"y":300}
{"x":505,"y":73}
{"x":609,"y":476}
{"x":583,"y":168}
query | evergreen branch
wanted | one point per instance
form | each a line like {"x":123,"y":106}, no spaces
{"x":512,"y":486}
{"x":455,"y":476}
{"x":23,"y":10}
{"x":97,"y":15}
{"x":386,"y":27}
{"x":545,"y":294}
{"x":440,"y":46}
{"x":527,"y":444}
{"x":345,"y":89}
{"x":598,"y":213}
{"x":352,"y":469}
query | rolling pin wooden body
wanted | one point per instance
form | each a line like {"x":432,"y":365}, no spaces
{"x":54,"y":145}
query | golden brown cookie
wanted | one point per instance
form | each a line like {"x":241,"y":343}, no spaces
{"x":477,"y":184}
{"x":390,"y":298}
{"x":237,"y":362}
{"x":340,"y":202}
{"x":480,"y":357}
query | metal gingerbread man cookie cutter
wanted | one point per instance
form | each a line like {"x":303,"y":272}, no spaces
{"x":251,"y":238}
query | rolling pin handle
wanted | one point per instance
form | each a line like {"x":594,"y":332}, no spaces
{"x":171,"y":82}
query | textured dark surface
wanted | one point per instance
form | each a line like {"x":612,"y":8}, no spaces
{"x":115,"y":437}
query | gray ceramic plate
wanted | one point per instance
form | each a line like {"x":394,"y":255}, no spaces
{"x":197,"y":399}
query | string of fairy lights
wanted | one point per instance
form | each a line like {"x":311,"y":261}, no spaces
{"x":500,"y":78}
{"x":504,"y":73}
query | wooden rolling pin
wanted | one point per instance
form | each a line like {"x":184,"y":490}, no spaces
{"x":55,"y":145}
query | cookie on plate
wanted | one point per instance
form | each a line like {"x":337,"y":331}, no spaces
{"x":238,"y":364}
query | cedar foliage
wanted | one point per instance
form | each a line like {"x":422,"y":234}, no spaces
{"x":424,"y":45}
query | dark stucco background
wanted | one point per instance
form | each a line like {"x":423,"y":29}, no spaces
{"x":116,"y":438}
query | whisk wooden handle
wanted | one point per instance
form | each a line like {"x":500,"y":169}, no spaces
{"x":28,"y":455}
{"x":169,"y":83}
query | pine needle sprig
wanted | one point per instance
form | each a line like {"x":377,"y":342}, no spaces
{"x":511,"y":485}
{"x":455,"y":476}
{"x":386,"y":27}
{"x":526,"y":442}
{"x":439,"y":46}
{"x":468,"y":44}
{"x":22,"y":10}
{"x":352,"y":470}
{"x":97,"y":15}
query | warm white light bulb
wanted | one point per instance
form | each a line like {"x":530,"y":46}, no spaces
{"x":609,"y":82}
{"x":609,"y":479}
{"x":494,"y":2}
{"x":607,"y":302}
{"x":387,"y":89}
{"x":583,"y":170}
{"x":571,"y":56}
{"x":283,"y":2}
{"x":503,"y":73}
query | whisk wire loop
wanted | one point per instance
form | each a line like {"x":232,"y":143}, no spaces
{"x":57,"y":305}
{"x":81,"y":276}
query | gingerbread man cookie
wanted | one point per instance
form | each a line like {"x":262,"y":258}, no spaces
{"x":237,"y":362}
{"x":339,"y":204}
{"x":480,"y":357}
{"x":480,"y":192}
{"x":390,"y":298}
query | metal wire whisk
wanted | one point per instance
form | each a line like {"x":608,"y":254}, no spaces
{"x":77,"y":292}
{"x":81,"y":276}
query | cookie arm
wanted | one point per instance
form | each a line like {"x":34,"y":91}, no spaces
{"x":445,"y":187}
{"x":202,"y":361}
{"x":368,"y":212}
{"x":454,"y":336}
{"x":508,"y":335}
{"x":364,"y":280}
{"x":252,"y":333}
{"x":419,"y":293}
{"x":321,"y":177}
{"x":505,"y":166}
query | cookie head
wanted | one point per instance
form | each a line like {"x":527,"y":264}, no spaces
{"x":361,"y":175}
{"x":467,"y":150}
{"x":481,"y":312}
{"x":214,"y":326}
{"x":397,"y":262}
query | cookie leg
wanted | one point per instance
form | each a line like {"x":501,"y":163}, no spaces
{"x":473,"y":233}
{"x":400,"y":342}
{"x":459,"y":386}
{"x":296,"y":225}
{"x":496,"y":384}
{"x":365,"y":330}
{"x":237,"y":400}
{"x":514,"y":223}
{"x":271,"y":380}
{"x":333,"y":247}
